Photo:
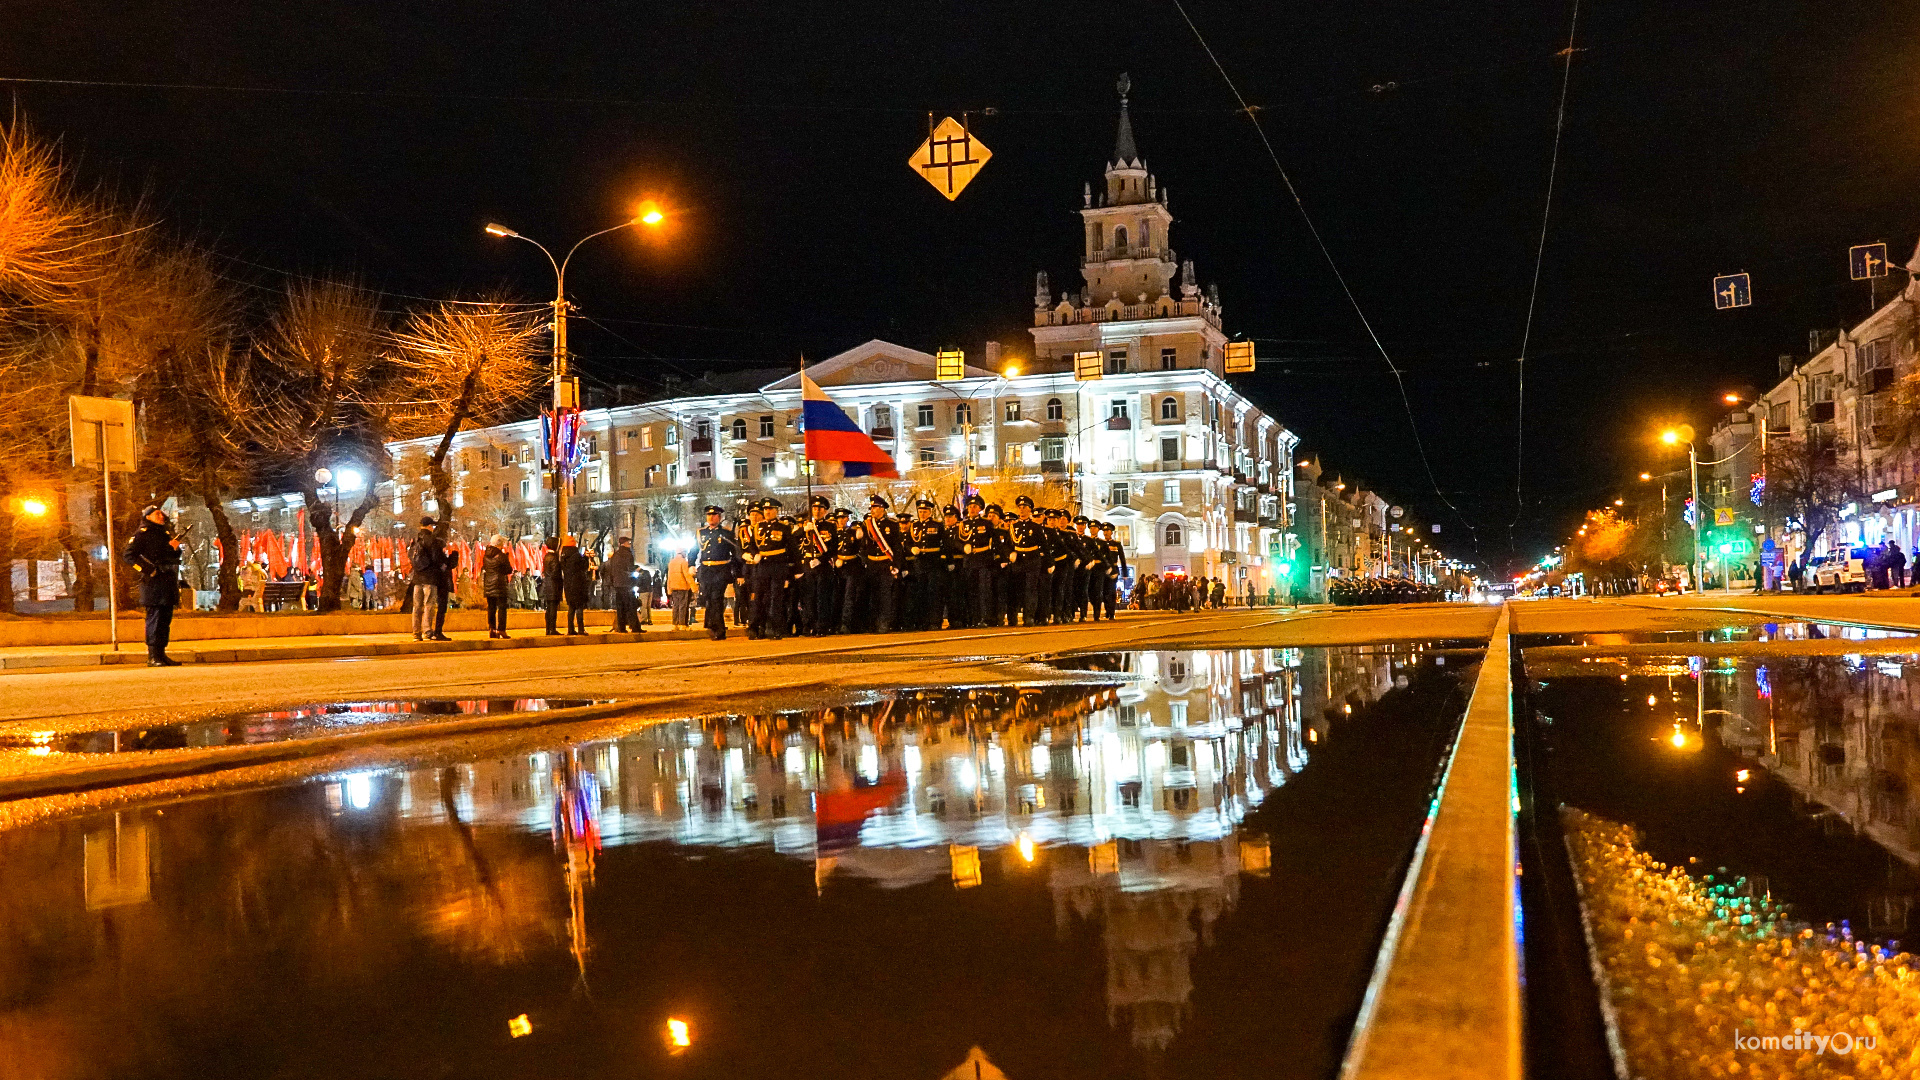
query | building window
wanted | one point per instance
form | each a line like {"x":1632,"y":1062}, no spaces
{"x":1175,"y":536}
{"x":526,"y":454}
{"x":673,"y":474}
{"x":926,"y":455}
{"x":1170,"y":493}
{"x":1055,"y":410}
{"x":506,"y":493}
{"x":593,"y":445}
{"x":766,"y":469}
{"x":1117,"y":495}
{"x":962,"y":414}
{"x":924,"y":415}
{"x":1116,"y":361}
{"x":506,"y":458}
{"x":703,"y":469}
{"x":626,"y":440}
{"x":1117,"y":409}
{"x":1170,"y":448}
{"x":1169,"y":359}
{"x":1053,"y":448}
{"x":739,"y":468}
{"x":1119,"y":238}
{"x":526,"y":488}
{"x":646,"y":438}
{"x":1170,"y":409}
{"x":882,"y":418}
{"x":646,"y":475}
{"x":766,"y":427}
{"x":1013,"y":412}
{"x":739,"y":427}
{"x":703,"y":430}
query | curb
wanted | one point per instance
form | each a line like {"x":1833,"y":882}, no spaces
{"x":135,"y":655}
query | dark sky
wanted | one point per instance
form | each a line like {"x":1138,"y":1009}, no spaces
{"x":1701,"y":138}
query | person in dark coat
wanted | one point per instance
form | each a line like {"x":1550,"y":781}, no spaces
{"x":618,"y":574}
{"x":155,"y":552}
{"x":449,"y":574}
{"x":550,"y":590}
{"x":718,"y":562}
{"x":425,"y":554}
{"x":496,"y":584}
{"x":576,"y":585}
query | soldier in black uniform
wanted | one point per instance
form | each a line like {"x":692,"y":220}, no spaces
{"x":925,"y":536}
{"x":1029,"y":563}
{"x":816,"y":540}
{"x":953,"y":584}
{"x":744,"y":576}
{"x":1002,"y":603}
{"x":1065,"y":567}
{"x":772,"y":572}
{"x":1094,"y":577}
{"x":976,"y":563}
{"x":843,"y":534}
{"x":1113,"y":557}
{"x":879,"y":545}
{"x":718,"y":565}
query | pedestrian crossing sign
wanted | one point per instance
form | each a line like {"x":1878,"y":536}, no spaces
{"x":950,"y":158}
{"x":1732,"y":291}
{"x":1867,"y":261}
{"x":1723,"y":515}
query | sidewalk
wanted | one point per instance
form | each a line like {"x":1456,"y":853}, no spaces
{"x":20,"y":658}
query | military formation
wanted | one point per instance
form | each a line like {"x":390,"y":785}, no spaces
{"x":938,"y":569}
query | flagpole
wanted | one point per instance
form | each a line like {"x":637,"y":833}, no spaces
{"x":806,"y":459}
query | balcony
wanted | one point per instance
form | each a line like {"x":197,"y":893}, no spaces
{"x":1167,"y":308}
{"x":882,"y":433}
{"x":1116,"y":252}
{"x":1053,"y":466}
{"x":1119,"y":423}
{"x":700,"y":446}
{"x":1248,"y":516}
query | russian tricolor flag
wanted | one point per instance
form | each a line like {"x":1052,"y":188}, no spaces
{"x":832,"y":436}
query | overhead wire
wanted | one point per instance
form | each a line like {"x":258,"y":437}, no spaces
{"x":1533,"y":295}
{"x":1253,"y":114}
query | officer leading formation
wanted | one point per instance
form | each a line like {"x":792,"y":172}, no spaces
{"x":940,"y":568}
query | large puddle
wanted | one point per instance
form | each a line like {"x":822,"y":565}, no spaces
{"x":1181,"y":870}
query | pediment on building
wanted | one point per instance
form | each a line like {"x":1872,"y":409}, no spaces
{"x":874,"y":362}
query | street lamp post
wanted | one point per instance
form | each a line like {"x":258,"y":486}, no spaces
{"x":563,"y":396}
{"x":1673,"y":437}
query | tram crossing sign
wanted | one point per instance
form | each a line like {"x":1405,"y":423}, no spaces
{"x":1867,"y":261}
{"x":949,"y":158}
{"x":1732,"y":291}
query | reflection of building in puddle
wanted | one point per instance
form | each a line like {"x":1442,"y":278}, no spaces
{"x":119,"y":864}
{"x":1156,"y":902}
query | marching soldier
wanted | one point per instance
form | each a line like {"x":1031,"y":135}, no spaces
{"x":1093,"y":577}
{"x":1029,"y":562}
{"x":817,"y":540}
{"x":844,"y":534}
{"x":745,"y":578}
{"x":879,"y":547}
{"x":772,"y":572}
{"x":925,"y":537}
{"x":1113,"y":557}
{"x":953,"y":585}
{"x":1063,"y":566}
{"x":1001,"y":601}
{"x":977,"y":562}
{"x":719,"y":566}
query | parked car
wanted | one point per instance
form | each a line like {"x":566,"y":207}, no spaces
{"x":1838,"y":571}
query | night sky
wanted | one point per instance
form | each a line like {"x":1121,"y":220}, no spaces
{"x":1701,"y":138}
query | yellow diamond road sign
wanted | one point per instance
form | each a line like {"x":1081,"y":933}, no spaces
{"x":949,"y":158}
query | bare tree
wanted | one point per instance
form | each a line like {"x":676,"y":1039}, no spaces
{"x":462,"y":364}
{"x":46,"y":233}
{"x":328,"y":405}
{"x":1811,"y":477}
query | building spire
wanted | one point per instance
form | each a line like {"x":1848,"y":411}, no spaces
{"x":1124,"y":150}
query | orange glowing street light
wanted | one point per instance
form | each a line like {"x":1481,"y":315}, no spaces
{"x":650,"y":215}
{"x":30,"y":507}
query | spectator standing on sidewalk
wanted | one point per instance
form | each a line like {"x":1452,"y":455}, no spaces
{"x":576,"y":585}
{"x":550,"y":589}
{"x":496,"y":584}
{"x":680,"y":589}
{"x":156,"y":552}
{"x":426,"y":555}
{"x":1896,"y":566}
{"x":618,"y":574}
{"x":644,"y":585}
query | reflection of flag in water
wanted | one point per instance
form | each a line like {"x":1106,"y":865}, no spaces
{"x":838,"y":815}
{"x":833,"y":437}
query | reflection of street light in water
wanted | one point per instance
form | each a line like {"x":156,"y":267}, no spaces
{"x":679,"y":1035}
{"x":1025,"y":844}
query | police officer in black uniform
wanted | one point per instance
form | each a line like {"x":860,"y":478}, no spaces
{"x":719,"y":565}
{"x":772,"y":572}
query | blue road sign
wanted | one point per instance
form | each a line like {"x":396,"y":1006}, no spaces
{"x":1732,"y":291}
{"x":1867,"y":261}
